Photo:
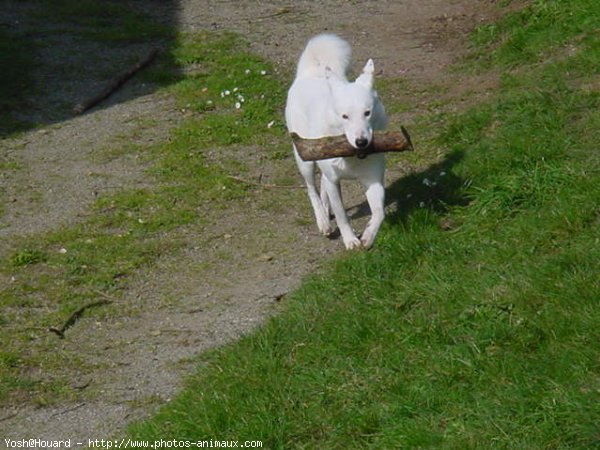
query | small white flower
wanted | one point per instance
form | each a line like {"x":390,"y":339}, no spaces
{"x":241,"y":98}
{"x":443,"y":173}
{"x":222,"y":94}
{"x":270,"y":124}
{"x":247,"y":71}
{"x":238,"y":105}
{"x":235,"y":89}
{"x":427,"y":182}
{"x":422,"y":205}
{"x":227,"y":92}
{"x":209,"y":102}
{"x":263,"y":72}
{"x":62,"y":251}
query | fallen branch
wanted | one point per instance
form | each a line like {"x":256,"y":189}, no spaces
{"x":279,"y":12}
{"x":72,"y":408}
{"x":337,"y":146}
{"x":115,"y":84}
{"x":9,"y":416}
{"x":74,"y":317}
{"x":265,"y":185}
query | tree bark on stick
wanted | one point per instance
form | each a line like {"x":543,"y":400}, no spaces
{"x":115,"y":84}
{"x":337,"y":146}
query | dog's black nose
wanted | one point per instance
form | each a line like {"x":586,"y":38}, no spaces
{"x":361,"y":142}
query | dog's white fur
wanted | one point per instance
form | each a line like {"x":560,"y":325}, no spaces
{"x":322,"y":102}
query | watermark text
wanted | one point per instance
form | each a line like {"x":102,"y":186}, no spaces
{"x":37,"y":443}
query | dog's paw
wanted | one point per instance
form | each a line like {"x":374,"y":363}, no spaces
{"x":368,"y":237}
{"x":326,"y":228}
{"x":352,"y":244}
{"x":367,"y":240}
{"x":324,"y":225}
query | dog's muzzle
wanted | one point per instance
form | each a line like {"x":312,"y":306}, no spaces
{"x":362,"y":147}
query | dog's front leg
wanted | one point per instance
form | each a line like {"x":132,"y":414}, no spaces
{"x":376,"y":198}
{"x":335,"y":199}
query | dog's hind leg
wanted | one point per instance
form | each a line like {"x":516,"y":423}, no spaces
{"x":307,"y":169}
{"x":325,"y":197}
{"x":376,"y":198}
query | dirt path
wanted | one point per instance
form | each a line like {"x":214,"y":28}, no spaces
{"x":232,"y":271}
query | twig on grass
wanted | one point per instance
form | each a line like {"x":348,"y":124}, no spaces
{"x":265,"y":185}
{"x":74,"y":317}
{"x":279,"y":12}
{"x":68,"y":410}
{"x":9,"y":415}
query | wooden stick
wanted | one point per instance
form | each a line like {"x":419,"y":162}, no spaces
{"x":337,"y":146}
{"x":60,"y":331}
{"x":115,"y":84}
{"x":266,"y":185}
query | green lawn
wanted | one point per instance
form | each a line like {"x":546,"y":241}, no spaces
{"x":475,"y":321}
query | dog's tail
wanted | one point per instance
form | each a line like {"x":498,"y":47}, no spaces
{"x":325,"y":50}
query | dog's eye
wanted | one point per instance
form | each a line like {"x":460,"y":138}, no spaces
{"x":345,"y":116}
{"x":367,"y":113}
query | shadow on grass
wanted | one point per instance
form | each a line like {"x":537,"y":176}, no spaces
{"x":57,"y":54}
{"x":436,"y":187}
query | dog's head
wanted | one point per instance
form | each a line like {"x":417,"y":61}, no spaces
{"x":357,"y":106}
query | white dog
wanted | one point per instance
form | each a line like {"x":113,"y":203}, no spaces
{"x":322,"y":102}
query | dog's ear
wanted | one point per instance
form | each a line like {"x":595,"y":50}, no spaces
{"x":366,"y":77}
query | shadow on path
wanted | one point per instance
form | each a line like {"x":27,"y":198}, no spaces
{"x":57,"y":54}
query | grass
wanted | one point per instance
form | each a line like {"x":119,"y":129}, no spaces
{"x":532,"y":35}
{"x":475,"y":321}
{"x":54,"y":273}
